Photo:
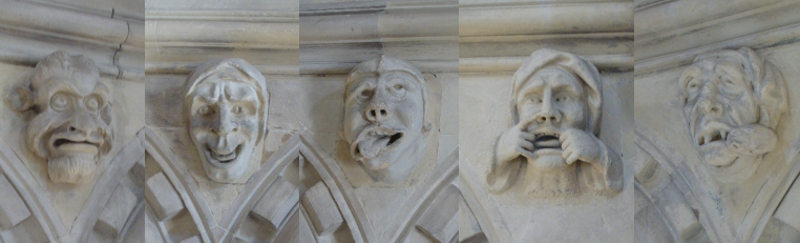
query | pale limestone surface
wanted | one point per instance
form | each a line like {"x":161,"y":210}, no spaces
{"x":694,"y":191}
{"x":226,"y":159}
{"x":72,"y":123}
{"x":409,"y":200}
{"x":68,"y":206}
{"x":544,"y":218}
{"x":496,"y":38}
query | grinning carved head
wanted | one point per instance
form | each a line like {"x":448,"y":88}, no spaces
{"x":384,"y":116}
{"x":552,"y":92}
{"x":226,"y":109}
{"x":732,"y":103}
{"x":72,"y":127}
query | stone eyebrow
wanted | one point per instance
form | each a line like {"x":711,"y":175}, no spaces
{"x":246,"y":97}
{"x":361,"y":85}
{"x":537,"y":85}
{"x":53,"y":87}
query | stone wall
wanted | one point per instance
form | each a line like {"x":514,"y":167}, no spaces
{"x":411,"y":121}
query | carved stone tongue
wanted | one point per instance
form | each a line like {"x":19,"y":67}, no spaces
{"x":372,"y":145}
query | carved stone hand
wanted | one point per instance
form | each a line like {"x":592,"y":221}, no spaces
{"x":579,"y":145}
{"x":515,"y":142}
{"x":752,"y":140}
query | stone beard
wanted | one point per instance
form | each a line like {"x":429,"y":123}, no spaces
{"x":384,"y":117}
{"x":732,"y":103}
{"x":226,"y":108}
{"x":555,"y":104}
{"x":72,"y":128}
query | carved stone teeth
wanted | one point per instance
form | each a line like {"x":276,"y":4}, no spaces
{"x":724,"y":135}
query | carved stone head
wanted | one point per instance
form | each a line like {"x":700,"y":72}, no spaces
{"x":732,"y":103}
{"x":384,"y":115}
{"x":552,"y":92}
{"x":226,"y":106}
{"x":72,"y":127}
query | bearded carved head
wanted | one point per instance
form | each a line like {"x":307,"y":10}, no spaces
{"x":733,"y":101}
{"x":226,"y":106}
{"x":72,"y":127}
{"x":384,"y":115}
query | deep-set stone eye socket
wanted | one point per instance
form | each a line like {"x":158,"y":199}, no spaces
{"x":92,"y":103}
{"x":205,"y":110}
{"x":60,"y":102}
{"x":237,"y":110}
{"x":366,"y":94}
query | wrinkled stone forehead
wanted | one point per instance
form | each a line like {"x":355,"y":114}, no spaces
{"x":381,"y":65}
{"x":228,"y":70}
{"x":712,"y":59}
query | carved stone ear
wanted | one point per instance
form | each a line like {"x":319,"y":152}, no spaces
{"x":20,"y":98}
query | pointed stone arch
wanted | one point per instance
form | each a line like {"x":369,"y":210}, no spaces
{"x":667,"y":187}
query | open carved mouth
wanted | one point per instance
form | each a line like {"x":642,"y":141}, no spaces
{"x":711,"y":135}
{"x":75,"y":145}
{"x":223,"y":156}
{"x":377,"y":140}
{"x":547,"y":140}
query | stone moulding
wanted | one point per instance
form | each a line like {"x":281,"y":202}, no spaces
{"x":767,"y":209}
{"x":177,"y":41}
{"x":115,"y":44}
{"x":678,"y":46}
{"x":684,"y":180}
{"x":331,"y":48}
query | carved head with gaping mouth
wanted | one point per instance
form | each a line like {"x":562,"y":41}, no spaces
{"x":226,"y":103}
{"x":727,"y":93}
{"x":384,"y":113}
{"x":72,"y":128}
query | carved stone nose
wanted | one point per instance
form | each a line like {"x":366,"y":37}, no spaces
{"x":711,"y":107}
{"x":224,"y":125}
{"x":549,"y":117}
{"x":376,"y":112}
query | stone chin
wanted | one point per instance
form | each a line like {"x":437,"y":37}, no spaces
{"x":225,"y":166}
{"x":71,"y":169}
{"x":548,"y":160}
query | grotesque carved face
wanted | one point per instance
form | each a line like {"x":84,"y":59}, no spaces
{"x":549,"y":103}
{"x":72,"y":127}
{"x":383,"y":118}
{"x":719,"y":98}
{"x":225,"y":111}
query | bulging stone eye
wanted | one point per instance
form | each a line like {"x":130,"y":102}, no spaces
{"x":59,"y":102}
{"x":92,"y":103}
{"x":204,"y":110}
{"x":237,"y":110}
